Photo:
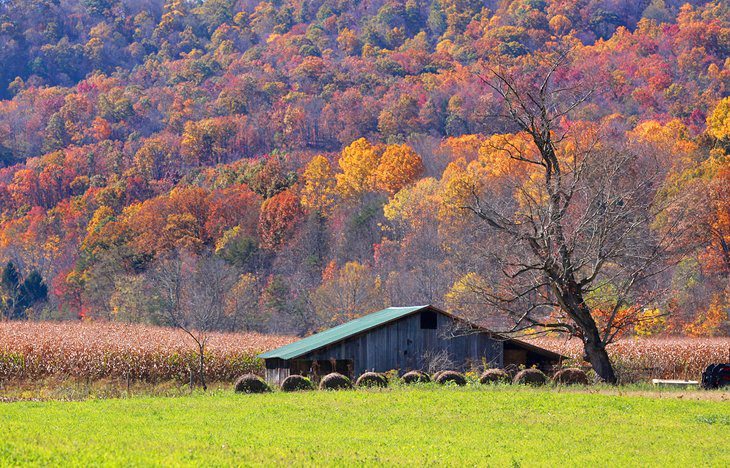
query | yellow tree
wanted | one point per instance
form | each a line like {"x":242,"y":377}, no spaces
{"x":209,"y":141}
{"x":494,"y":167}
{"x":560,"y":25}
{"x":399,"y":167}
{"x":463,"y":296}
{"x":318,"y":194}
{"x":672,"y":139}
{"x":358,"y":163}
{"x":718,"y":123}
{"x":414,"y":207}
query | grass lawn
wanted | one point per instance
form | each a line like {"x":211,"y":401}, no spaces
{"x":429,"y":425}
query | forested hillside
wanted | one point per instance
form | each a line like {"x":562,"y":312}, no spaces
{"x":298,"y":162}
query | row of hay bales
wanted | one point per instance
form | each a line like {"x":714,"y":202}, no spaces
{"x":251,"y":383}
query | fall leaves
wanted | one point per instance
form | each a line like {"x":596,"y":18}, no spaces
{"x":718,"y":123}
{"x":257,"y":211}
{"x":366,"y":168}
{"x":282,"y":138}
{"x":318,"y":193}
{"x":192,"y":217}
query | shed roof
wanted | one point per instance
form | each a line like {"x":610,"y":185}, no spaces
{"x":374,"y":320}
{"x":333,"y":335}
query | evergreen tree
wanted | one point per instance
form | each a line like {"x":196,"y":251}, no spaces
{"x":33,"y":290}
{"x":11,"y":290}
{"x":19,"y":296}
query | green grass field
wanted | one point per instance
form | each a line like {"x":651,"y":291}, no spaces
{"x":452,"y":426}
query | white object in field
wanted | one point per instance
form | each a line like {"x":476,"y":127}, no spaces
{"x":675,"y":383}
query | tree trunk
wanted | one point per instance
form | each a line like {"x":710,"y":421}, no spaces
{"x":598,"y":357}
{"x":595,"y":350}
{"x":201,"y":368}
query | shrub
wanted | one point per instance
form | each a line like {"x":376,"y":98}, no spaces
{"x":296,"y":383}
{"x":451,"y":376}
{"x":571,"y":376}
{"x":335,"y":381}
{"x":494,"y":376}
{"x":251,"y":383}
{"x":416,"y":376}
{"x":533,"y":377}
{"x":372,"y":379}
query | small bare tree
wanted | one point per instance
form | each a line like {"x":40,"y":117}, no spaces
{"x":192,"y":292}
{"x":580,"y":227}
{"x":435,"y":361}
{"x":242,"y":305}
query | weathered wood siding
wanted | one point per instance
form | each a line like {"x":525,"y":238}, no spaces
{"x":276,"y":370}
{"x":403,"y":345}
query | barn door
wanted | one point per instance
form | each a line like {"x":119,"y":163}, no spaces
{"x":409,"y":353}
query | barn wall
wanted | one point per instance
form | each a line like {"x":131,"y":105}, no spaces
{"x":276,"y":370}
{"x":403,"y":345}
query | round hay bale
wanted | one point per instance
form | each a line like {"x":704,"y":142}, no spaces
{"x":534,"y":377}
{"x":416,"y":376}
{"x":435,"y":375}
{"x":296,"y":383}
{"x":451,"y":376}
{"x":494,"y":376}
{"x":250,"y":383}
{"x":372,"y":379}
{"x":570,"y":376}
{"x":335,"y":381}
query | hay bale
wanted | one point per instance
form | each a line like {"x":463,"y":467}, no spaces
{"x":415,"y":376}
{"x":250,"y":383}
{"x":534,"y":377}
{"x":372,"y":379}
{"x":445,"y":377}
{"x":296,"y":383}
{"x":335,"y":381}
{"x":570,"y":376}
{"x":435,"y":376}
{"x":494,"y":376}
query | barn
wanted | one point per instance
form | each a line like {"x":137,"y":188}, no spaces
{"x":403,"y":338}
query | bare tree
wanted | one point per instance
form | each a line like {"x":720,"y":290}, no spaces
{"x":434,"y":361}
{"x":242,"y":305}
{"x":578,"y":236}
{"x":192,"y":292}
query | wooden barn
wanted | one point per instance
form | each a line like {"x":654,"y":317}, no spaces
{"x":403,"y":338}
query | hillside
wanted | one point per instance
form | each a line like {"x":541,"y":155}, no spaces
{"x":299,"y":162}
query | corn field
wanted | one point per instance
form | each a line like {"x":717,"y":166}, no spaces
{"x":96,"y":350}
{"x":93,"y":350}
{"x":642,"y":359}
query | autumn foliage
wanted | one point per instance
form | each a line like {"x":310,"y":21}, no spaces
{"x":325,"y":151}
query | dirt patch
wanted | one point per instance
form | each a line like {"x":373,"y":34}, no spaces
{"x":675,"y":394}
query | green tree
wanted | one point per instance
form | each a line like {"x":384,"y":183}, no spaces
{"x":19,"y":296}
{"x":33,"y":290}
{"x":11,"y":290}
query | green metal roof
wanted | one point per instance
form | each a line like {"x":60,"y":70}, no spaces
{"x":340,"y":332}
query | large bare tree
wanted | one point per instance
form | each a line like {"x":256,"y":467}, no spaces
{"x":578,"y":235}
